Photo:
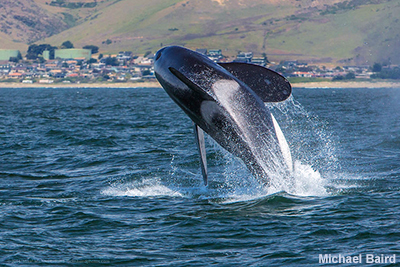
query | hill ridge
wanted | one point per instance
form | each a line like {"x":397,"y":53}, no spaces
{"x":336,"y":31}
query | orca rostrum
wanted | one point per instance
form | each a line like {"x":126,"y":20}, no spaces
{"x":226,"y":101}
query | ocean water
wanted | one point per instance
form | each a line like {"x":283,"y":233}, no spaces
{"x":93,"y":177}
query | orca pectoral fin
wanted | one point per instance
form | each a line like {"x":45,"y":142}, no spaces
{"x":201,"y":146}
{"x":283,"y":144}
{"x":269,"y":85}
{"x":181,"y":76}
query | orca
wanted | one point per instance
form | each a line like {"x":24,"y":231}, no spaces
{"x":226,"y":101}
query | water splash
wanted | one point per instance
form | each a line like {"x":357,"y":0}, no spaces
{"x":309,"y":137}
{"x":313,"y":152}
{"x":307,"y":181}
{"x":239,"y":185}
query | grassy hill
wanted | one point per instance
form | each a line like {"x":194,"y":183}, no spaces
{"x":326,"y":31}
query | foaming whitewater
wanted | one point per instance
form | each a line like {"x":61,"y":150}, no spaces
{"x":143,"y":188}
{"x":239,"y":185}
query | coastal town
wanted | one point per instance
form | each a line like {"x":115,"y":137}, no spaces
{"x":86,"y":65}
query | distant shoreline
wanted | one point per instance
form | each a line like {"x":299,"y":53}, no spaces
{"x":350,"y":84}
{"x":81,"y":85}
{"x":311,"y":85}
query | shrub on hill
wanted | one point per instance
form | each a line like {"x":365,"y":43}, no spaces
{"x":95,"y":49}
{"x":377,"y":67}
{"x":348,"y":76}
{"x":67,"y":45}
{"x":112,"y":61}
{"x":387,"y":74}
{"x":35,"y":50}
{"x":72,"y":5}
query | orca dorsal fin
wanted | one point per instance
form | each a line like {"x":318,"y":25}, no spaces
{"x":269,"y":85}
{"x":201,"y":146}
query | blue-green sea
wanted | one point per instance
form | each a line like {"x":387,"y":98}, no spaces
{"x":111,"y":177}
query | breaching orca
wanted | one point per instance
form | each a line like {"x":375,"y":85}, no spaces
{"x":226,"y":100}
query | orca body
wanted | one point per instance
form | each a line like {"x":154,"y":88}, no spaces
{"x":226,"y":101}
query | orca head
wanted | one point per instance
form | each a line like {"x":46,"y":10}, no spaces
{"x":168,"y":58}
{"x":181,"y":71}
{"x":187,"y":77}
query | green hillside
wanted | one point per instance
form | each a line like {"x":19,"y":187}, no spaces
{"x":328,"y":31}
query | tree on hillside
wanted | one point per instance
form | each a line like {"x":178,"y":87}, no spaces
{"x":35,"y":50}
{"x":107,"y":42}
{"x":95,"y":49}
{"x":16,"y":59}
{"x":112,"y":61}
{"x":392,"y":73}
{"x":377,"y":67}
{"x":92,"y":60}
{"x":350,"y":76}
{"x":67,"y":45}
